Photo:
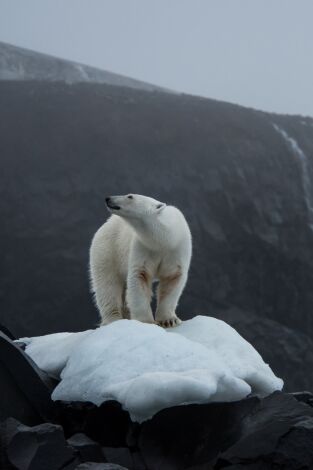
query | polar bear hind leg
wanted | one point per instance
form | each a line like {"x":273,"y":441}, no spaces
{"x":169,"y":290}
{"x":138,"y":294}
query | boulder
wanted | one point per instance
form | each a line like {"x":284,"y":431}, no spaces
{"x":274,"y":432}
{"x":120,"y":456}
{"x":304,"y":397}
{"x":185,"y":436}
{"x":278,"y":434}
{"x":7,"y":332}
{"x":107,"y":424}
{"x":25,"y":390}
{"x":86,"y":448}
{"x":34,"y":448}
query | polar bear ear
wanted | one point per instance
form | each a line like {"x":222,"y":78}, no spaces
{"x":160,"y":207}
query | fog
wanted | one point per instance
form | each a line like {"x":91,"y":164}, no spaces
{"x":255,"y":53}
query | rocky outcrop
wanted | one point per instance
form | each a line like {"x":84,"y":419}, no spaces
{"x":25,"y":390}
{"x":34,"y":448}
{"x":274,"y":432}
{"x":278,"y":434}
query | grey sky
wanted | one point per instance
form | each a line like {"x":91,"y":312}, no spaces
{"x":257,"y":53}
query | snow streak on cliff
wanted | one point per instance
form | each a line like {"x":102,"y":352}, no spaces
{"x":304,"y":164}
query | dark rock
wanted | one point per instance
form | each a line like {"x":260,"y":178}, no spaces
{"x":278,"y":434}
{"x":120,"y":456}
{"x":205,"y":466}
{"x":7,"y":332}
{"x":24,"y":389}
{"x":34,"y":448}
{"x":185,"y":436}
{"x":107,"y":424}
{"x":254,"y":466}
{"x":275,"y":433}
{"x":304,"y":397}
{"x":138,"y":462}
{"x":87,"y":449}
{"x":100,"y":466}
{"x":271,"y":433}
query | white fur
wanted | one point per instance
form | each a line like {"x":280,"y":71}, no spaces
{"x":143,"y":241}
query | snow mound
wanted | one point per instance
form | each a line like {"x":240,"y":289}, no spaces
{"x":51,"y":352}
{"x":147,"y":368}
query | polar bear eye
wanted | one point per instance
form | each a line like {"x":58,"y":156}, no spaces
{"x":130,"y":197}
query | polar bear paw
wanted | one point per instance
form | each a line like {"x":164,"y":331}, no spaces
{"x":169,"y":322}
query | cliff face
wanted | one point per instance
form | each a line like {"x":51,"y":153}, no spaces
{"x":243,"y":179}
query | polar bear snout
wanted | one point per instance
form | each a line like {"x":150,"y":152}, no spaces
{"x":111,"y":203}
{"x":123,"y":204}
{"x":134,"y":206}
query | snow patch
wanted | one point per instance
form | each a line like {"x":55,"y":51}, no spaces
{"x":83,"y":73}
{"x":147,"y":368}
{"x":307,"y":123}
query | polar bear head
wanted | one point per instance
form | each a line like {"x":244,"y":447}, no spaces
{"x":134,"y":205}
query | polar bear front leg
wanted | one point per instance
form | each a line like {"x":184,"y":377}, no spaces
{"x":138,"y":295}
{"x":169,"y":290}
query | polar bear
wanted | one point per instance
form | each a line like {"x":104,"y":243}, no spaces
{"x":143,"y":241}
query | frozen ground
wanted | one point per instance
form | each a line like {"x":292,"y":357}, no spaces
{"x":147,"y":368}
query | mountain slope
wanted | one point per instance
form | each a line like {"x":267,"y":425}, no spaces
{"x":17,"y":63}
{"x":235,"y":177}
